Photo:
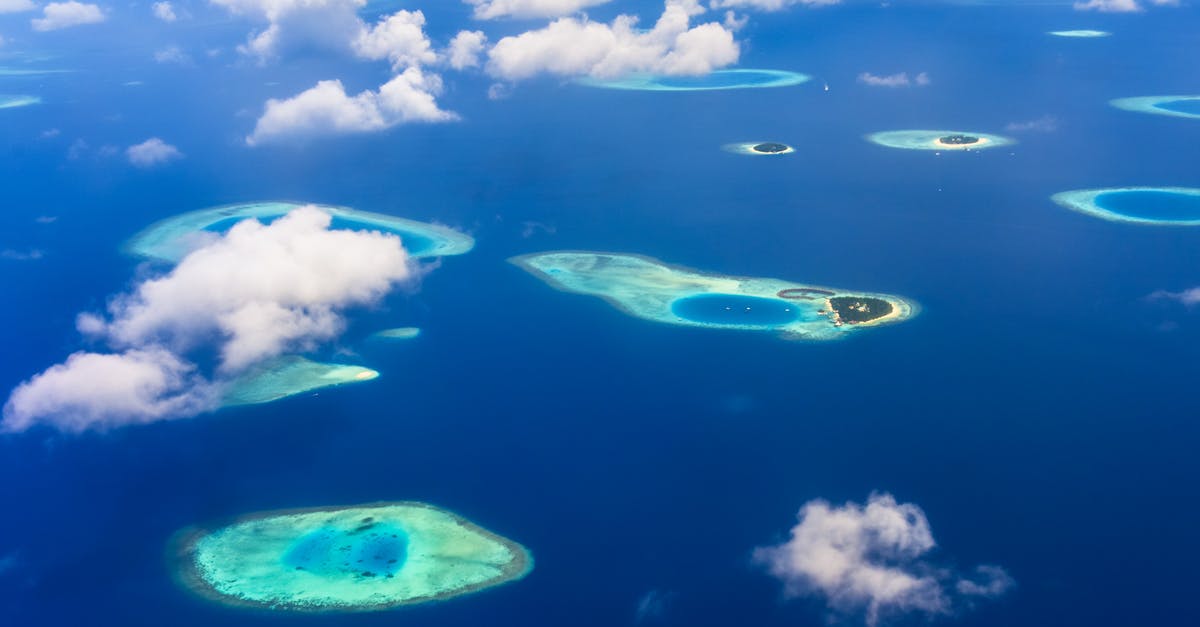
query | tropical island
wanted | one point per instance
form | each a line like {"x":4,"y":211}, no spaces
{"x":771,"y":148}
{"x":759,"y":148}
{"x":938,"y":140}
{"x":173,"y":238}
{"x":647,"y":288}
{"x":345,"y":559}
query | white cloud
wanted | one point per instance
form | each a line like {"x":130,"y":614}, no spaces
{"x":1120,"y":6}
{"x":58,"y":15}
{"x":172,"y":54}
{"x":1189,"y":297}
{"x":525,"y":9}
{"x":298,"y":25}
{"x":869,"y":559}
{"x":164,"y":11}
{"x":152,"y":152}
{"x":327,"y":109}
{"x":399,"y":38}
{"x":1044,"y":124}
{"x":16,"y":6}
{"x":578,"y":47}
{"x":255,"y":293}
{"x":465,"y":49}
{"x":32,"y":254}
{"x":771,"y":5}
{"x":894,"y":80}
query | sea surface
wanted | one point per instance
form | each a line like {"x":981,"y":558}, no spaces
{"x":1040,"y":409}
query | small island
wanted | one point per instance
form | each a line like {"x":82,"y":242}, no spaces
{"x":652,"y":290}
{"x":396,"y":334}
{"x":173,"y":238}
{"x":345,"y":559}
{"x":939,"y":140}
{"x":1175,"y":106}
{"x":288,"y":376}
{"x":717,"y":79}
{"x":759,"y":148}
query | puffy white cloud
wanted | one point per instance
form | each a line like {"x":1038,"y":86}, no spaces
{"x":164,"y":11}
{"x":465,"y":49}
{"x":493,"y":9}
{"x":58,"y":15}
{"x":255,"y":293}
{"x":152,"y":152}
{"x":298,"y":25}
{"x":92,"y":390}
{"x":16,"y":6}
{"x":868,"y":558}
{"x":578,"y":47}
{"x":327,"y":109}
{"x":894,"y":80}
{"x":770,"y":5}
{"x":399,"y":38}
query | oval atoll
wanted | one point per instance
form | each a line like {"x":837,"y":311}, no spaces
{"x":12,"y":102}
{"x":171,"y":239}
{"x":345,"y":559}
{"x":1177,"y":106}
{"x":650,"y":289}
{"x":759,"y":148}
{"x":717,"y":79}
{"x":1080,"y":34}
{"x":939,"y":140}
{"x":1167,"y":206}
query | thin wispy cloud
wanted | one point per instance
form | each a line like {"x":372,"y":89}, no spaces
{"x":894,"y":80}
{"x":1044,"y":124}
{"x":1120,"y":6}
{"x":1189,"y":297}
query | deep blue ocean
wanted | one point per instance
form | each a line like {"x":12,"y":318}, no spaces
{"x":1040,"y":409}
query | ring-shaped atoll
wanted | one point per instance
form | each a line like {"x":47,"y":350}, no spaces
{"x":288,"y":376}
{"x":650,"y":289}
{"x":345,"y":559}
{"x":14,"y":101}
{"x":759,"y":148}
{"x":173,"y":238}
{"x":1164,"y":206}
{"x":1080,"y":34}
{"x":717,"y":79}
{"x":939,"y":140}
{"x":1178,"y":106}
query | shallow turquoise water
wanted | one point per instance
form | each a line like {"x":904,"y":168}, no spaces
{"x":370,"y":550}
{"x":1151,"y":205}
{"x":413,"y":242}
{"x":717,"y":80}
{"x":1191,"y":106}
{"x":733,"y":309}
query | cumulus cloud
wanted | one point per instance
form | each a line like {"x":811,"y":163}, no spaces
{"x":253,"y":294}
{"x":1119,"y":6}
{"x":152,"y":152}
{"x":771,"y":5}
{"x":164,"y":11}
{"x":16,"y":6}
{"x":894,"y":80}
{"x":399,"y":38}
{"x":465,"y":49}
{"x":494,"y":9}
{"x":58,"y":15}
{"x":327,"y":109}
{"x":1189,"y":297}
{"x":579,"y":47}
{"x":869,"y":559}
{"x":297,"y":25}
{"x":1044,"y":124}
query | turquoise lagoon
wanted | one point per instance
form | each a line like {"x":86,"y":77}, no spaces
{"x":735,"y":310}
{"x":719,"y":79}
{"x":1168,"y":206}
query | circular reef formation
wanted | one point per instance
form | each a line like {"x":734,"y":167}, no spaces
{"x":1166,"y":206}
{"x":345,"y":559}
{"x":172,"y":239}
{"x":1177,"y":106}
{"x":759,"y":148}
{"x":1080,"y":34}
{"x":939,"y":140}
{"x":717,"y":79}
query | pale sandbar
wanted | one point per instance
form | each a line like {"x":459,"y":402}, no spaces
{"x":289,"y":376}
{"x":14,"y":101}
{"x":1177,"y":106}
{"x":1080,"y":34}
{"x":398,"y":333}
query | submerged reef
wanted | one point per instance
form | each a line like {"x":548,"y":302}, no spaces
{"x":1080,"y":33}
{"x":1164,"y":206}
{"x":399,"y":333}
{"x":759,"y":148}
{"x":939,"y":140}
{"x":718,"y":79}
{"x":1178,"y":106}
{"x":345,"y":559}
{"x":171,"y":239}
{"x":288,"y":376}
{"x":11,"y":102}
{"x":650,"y":289}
